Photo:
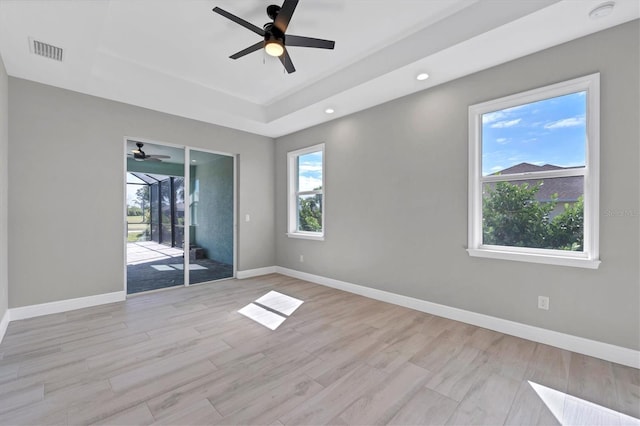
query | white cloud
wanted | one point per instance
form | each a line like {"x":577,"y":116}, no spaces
{"x":310,"y":167}
{"x":566,"y":122}
{"x":502,"y":141}
{"x":496,"y":168}
{"x":503,"y":124}
{"x":492,"y":116}
{"x":515,"y":108}
{"x":308,"y":183}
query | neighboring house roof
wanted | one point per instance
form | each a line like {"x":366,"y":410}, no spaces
{"x":569,"y":189}
{"x":527,"y":167}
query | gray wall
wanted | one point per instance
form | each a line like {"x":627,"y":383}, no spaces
{"x":4,"y":189}
{"x":396,"y":199}
{"x":67,"y":212}
{"x":214,"y":231}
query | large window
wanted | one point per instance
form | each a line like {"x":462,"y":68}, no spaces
{"x":533,"y":175}
{"x":306,"y":192}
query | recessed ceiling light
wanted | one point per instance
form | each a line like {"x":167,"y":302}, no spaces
{"x":193,"y":161}
{"x":329,"y":110}
{"x":602,"y":10}
{"x":422,"y":76}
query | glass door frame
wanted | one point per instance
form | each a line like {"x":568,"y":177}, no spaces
{"x":187,"y":214}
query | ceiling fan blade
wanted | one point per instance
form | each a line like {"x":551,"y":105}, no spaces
{"x":285,"y":14}
{"x":157,"y":156}
{"x":286,"y":61}
{"x":294,"y":40}
{"x":239,"y":21}
{"x":156,"y":160}
{"x":259,"y":45}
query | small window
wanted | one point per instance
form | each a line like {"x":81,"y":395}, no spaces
{"x":306,"y":193}
{"x":533,"y":175}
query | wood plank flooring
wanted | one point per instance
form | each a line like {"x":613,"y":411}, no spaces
{"x":185,"y":356}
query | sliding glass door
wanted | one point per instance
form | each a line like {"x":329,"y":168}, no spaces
{"x":155,"y":192}
{"x":180,"y":219}
{"x":211,"y":206}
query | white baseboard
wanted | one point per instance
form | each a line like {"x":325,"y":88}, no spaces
{"x":250,"y":273}
{"x":4,"y":323}
{"x":569,"y":342}
{"x":31,"y":311}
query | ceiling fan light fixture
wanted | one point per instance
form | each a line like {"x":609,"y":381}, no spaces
{"x":274,"y":47}
{"x":274,"y":34}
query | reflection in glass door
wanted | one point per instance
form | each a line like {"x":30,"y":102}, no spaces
{"x":211,"y":225}
{"x":177,"y":212}
{"x":155,"y":217}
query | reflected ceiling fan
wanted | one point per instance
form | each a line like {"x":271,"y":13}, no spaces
{"x":140,"y":155}
{"x":275,"y":40}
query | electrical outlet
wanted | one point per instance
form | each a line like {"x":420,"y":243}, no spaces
{"x":543,"y":303}
{"x":301,"y":258}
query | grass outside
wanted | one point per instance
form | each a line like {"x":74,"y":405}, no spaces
{"x":136,"y":228}
{"x":135,"y":219}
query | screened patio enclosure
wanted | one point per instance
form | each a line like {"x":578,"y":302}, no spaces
{"x":160,"y":201}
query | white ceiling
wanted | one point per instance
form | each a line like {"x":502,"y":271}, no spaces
{"x":172,"y":55}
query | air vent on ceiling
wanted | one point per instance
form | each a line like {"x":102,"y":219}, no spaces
{"x":46,"y":50}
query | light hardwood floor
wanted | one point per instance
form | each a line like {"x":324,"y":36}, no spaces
{"x":185,"y":356}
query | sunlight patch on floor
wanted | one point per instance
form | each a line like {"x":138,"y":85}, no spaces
{"x":192,"y":266}
{"x":162,"y":268}
{"x":280,"y":302}
{"x":177,"y":266}
{"x":272,"y":309}
{"x":570,"y":410}
{"x":260,"y":315}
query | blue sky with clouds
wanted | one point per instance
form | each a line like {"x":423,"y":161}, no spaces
{"x":551,"y":131}
{"x":310,"y":171}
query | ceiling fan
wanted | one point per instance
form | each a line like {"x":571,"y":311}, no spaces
{"x":140,"y":155}
{"x":275,"y":40}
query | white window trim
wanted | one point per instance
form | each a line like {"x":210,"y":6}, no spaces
{"x":292,"y":194}
{"x":590,"y":257}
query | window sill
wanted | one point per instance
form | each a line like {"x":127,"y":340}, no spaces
{"x":316,"y":237}
{"x":576,"y":262}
